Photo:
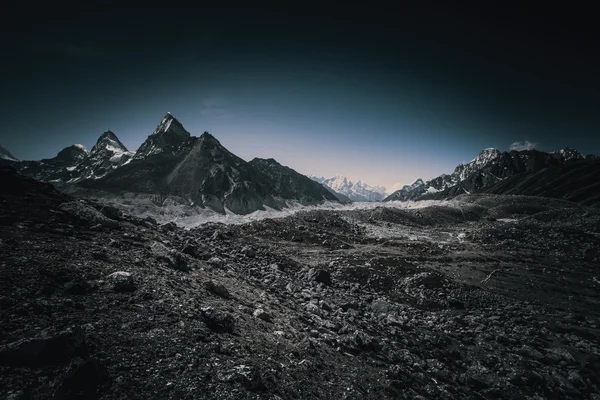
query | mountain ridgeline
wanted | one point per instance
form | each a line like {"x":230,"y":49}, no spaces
{"x":561,"y":174}
{"x":347,"y":191}
{"x":174,"y":167}
{"x":171,"y":163}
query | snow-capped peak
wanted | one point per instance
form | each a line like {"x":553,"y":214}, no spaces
{"x":110,"y":142}
{"x":5,"y":155}
{"x":355,"y":191}
{"x":170,"y":124}
{"x":168,"y":133}
{"x":567,"y":154}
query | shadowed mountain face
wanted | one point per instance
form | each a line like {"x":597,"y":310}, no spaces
{"x":289,"y":184}
{"x":167,"y":135}
{"x":201,"y":172}
{"x":504,"y":170}
{"x":198,"y":170}
{"x":56,"y":169}
{"x":577,"y":180}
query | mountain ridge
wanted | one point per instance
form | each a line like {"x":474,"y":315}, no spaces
{"x":354,"y":191}
{"x":488,"y":169}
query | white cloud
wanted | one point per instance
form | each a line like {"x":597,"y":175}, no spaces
{"x":520,"y":146}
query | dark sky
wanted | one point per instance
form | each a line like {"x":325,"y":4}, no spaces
{"x":385,"y":95}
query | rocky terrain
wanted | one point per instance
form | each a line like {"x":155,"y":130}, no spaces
{"x":496,"y":297}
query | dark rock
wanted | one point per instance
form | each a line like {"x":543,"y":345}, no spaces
{"x":45,"y":351}
{"x":169,"y":226}
{"x":218,"y":321}
{"x":82,"y":380}
{"x":320,"y":276}
{"x":262,"y":314}
{"x":217,"y":289}
{"x":78,"y":287}
{"x":349,"y":306}
{"x":173,"y":258}
{"x":248,"y":252}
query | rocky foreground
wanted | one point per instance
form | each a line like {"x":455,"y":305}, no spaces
{"x":496,"y":298}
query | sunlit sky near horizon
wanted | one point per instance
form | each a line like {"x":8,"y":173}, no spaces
{"x":383,"y":96}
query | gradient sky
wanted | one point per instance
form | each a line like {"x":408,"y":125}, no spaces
{"x":382,"y":95}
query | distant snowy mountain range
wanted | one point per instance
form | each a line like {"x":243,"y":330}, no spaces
{"x":355,"y":191}
{"x":172,"y":166}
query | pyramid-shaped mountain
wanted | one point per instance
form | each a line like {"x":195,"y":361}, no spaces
{"x":201,"y":172}
{"x":107,"y":154}
{"x":168,"y":134}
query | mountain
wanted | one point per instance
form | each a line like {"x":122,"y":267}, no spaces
{"x":107,"y":154}
{"x":289,"y":184}
{"x":576,"y":181}
{"x":488,"y":169}
{"x":168,"y":134}
{"x":199,"y":171}
{"x":444,"y":181}
{"x":355,"y":191}
{"x":5,"y":155}
{"x":56,"y":169}
{"x":75,"y":163}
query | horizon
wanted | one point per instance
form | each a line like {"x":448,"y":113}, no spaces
{"x":385,"y":96}
{"x":518,"y":146}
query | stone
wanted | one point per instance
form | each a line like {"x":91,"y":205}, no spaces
{"x":40,"y":352}
{"x":81,"y":380}
{"x":216,"y":262}
{"x":218,"y":321}
{"x":217,"y":289}
{"x":319,"y":276}
{"x":262,"y":314}
{"x":122,"y":281}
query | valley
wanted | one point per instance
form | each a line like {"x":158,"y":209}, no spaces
{"x":491,"y":297}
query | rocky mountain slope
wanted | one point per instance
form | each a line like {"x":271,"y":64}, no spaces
{"x":198,"y":170}
{"x":470,"y":301}
{"x":577,"y":181}
{"x":56,"y":169}
{"x":355,"y":191}
{"x":289,"y":184}
{"x":201,"y":172}
{"x":489,"y":168}
{"x":107,"y":154}
{"x":75,"y":163}
{"x":166,"y":137}
{"x":5,"y":155}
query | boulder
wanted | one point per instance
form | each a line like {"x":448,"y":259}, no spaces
{"x":121,"y":281}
